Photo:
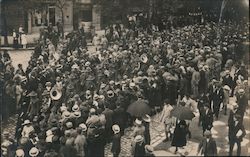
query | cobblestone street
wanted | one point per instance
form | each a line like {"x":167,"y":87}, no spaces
{"x":156,"y":130}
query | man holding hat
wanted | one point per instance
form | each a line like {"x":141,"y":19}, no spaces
{"x":236,"y":132}
{"x":207,"y":146}
{"x":138,"y":146}
{"x":116,"y":141}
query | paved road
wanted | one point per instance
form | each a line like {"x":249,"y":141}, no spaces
{"x":20,"y":57}
{"x":220,"y":133}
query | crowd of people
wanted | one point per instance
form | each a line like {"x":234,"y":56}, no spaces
{"x":72,"y":101}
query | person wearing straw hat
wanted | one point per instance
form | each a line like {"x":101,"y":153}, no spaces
{"x":146,"y":122}
{"x":166,"y":118}
{"x":236,"y":132}
{"x":207,"y":146}
{"x":34,"y":107}
{"x":20,"y":153}
{"x":149,"y":151}
{"x":27,"y":128}
{"x":80,"y":142}
{"x":138,"y":146}
{"x":34,"y":152}
{"x":116,"y":141}
{"x":139,"y":128}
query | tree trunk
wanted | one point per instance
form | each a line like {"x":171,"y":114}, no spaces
{"x":62,"y":14}
{"x":5,"y":30}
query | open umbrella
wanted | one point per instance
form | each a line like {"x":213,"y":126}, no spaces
{"x":182,"y":113}
{"x":139,"y":108}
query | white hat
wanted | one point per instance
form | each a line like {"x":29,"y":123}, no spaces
{"x":66,"y":114}
{"x":102,"y":97}
{"x":75,"y":108}
{"x":83,"y":127}
{"x":116,"y":128}
{"x":138,"y":138}
{"x":19,"y":153}
{"x":49,"y":133}
{"x":226,"y":87}
{"x":76,"y":114}
{"x":26,"y":122}
{"x":33,"y":152}
{"x":92,"y":110}
{"x":146,"y":118}
{"x":137,"y":121}
{"x":87,"y":63}
{"x":95,"y":103}
{"x":241,"y":91}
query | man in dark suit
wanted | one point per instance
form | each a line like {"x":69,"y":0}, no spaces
{"x":242,"y":101}
{"x":109,"y":122}
{"x":227,"y":79}
{"x":208,"y":145}
{"x":236,"y":133}
{"x":206,"y":118}
{"x":119,"y":117}
{"x":116,"y":141}
{"x":216,"y":99}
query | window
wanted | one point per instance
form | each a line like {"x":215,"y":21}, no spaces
{"x":87,"y":15}
{"x":52,"y":17}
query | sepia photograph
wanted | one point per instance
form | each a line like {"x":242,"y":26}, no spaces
{"x":124,"y":78}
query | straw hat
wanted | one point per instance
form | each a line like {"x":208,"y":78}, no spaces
{"x":19,"y":153}
{"x":75,"y":108}
{"x":138,"y":138}
{"x":226,"y":87}
{"x":149,"y":148}
{"x":116,"y":128}
{"x":146,"y":118}
{"x":66,"y":114}
{"x":26,"y":122}
{"x":83,"y":127}
{"x":241,"y":91}
{"x":33,"y":152}
{"x":77,"y":114}
{"x":138,"y":122}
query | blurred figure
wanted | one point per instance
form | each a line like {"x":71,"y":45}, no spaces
{"x":236,"y":133}
{"x":116,"y":141}
{"x":179,"y":137}
{"x":207,"y":146}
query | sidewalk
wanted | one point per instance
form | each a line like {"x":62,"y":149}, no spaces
{"x":32,"y":38}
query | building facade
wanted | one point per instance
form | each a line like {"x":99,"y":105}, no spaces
{"x":73,"y":13}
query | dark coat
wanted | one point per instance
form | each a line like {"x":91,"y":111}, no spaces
{"x":116,"y":144}
{"x":208,"y":148}
{"x":109,"y":117}
{"x":242,"y":103}
{"x":217,"y":97}
{"x":228,"y":81}
{"x":139,"y":150}
{"x":147,"y":133}
{"x":207,"y":119}
{"x":179,"y":137}
{"x":233,"y":130}
{"x":119,"y":117}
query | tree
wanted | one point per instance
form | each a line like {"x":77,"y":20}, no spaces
{"x":61,"y":4}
